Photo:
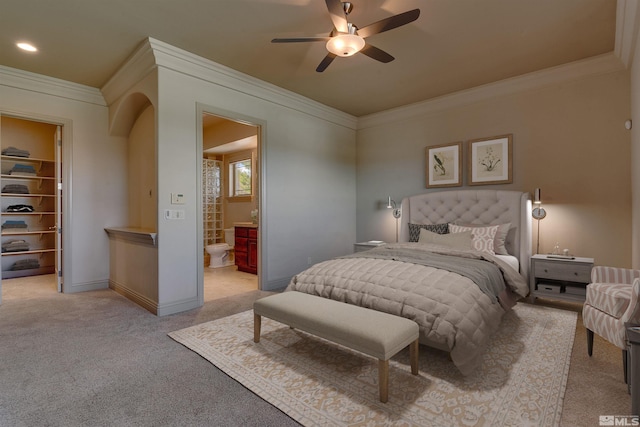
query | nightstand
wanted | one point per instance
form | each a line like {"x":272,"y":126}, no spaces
{"x":365,"y":246}
{"x":561,"y":278}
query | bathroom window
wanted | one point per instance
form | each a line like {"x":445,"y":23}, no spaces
{"x":240,"y":178}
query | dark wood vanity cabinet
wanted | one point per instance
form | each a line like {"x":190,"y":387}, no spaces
{"x":246,"y":249}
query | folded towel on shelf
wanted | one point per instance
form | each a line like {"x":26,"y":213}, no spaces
{"x":17,"y":152}
{"x":15,"y":189}
{"x":25,"y":264}
{"x":20,"y":208}
{"x":14,"y":224}
{"x":20,"y":169}
{"x":15,"y":246}
{"x":22,"y":173}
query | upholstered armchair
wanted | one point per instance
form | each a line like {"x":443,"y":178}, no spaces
{"x":613,"y":298}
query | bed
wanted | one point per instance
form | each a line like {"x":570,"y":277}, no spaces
{"x":461,"y":262}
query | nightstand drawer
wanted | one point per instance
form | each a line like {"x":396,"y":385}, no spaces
{"x":563,"y":271}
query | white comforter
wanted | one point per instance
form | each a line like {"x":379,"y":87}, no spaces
{"x":452,"y":312}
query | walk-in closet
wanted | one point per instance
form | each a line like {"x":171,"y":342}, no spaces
{"x":31,"y":184}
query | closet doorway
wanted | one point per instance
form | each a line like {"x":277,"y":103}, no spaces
{"x":31,"y":199}
{"x":230,"y":206}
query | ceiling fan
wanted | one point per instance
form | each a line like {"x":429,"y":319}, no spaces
{"x":346,"y":39}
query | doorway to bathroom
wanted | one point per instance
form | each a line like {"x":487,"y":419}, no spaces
{"x":230,"y":201}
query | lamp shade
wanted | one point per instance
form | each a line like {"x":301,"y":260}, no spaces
{"x":345,"y":44}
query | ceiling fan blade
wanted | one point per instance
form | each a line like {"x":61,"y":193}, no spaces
{"x":377,"y":54}
{"x":388,"y":23}
{"x":326,"y":62}
{"x":338,"y":17}
{"x":301,"y":40}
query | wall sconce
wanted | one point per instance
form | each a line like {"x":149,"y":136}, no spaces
{"x":391,"y":204}
{"x":538,"y":213}
{"x":397,"y":212}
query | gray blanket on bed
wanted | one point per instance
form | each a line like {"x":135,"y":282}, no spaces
{"x":453,"y":313}
{"x":486,"y":275}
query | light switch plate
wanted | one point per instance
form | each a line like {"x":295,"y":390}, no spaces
{"x":174,"y":214}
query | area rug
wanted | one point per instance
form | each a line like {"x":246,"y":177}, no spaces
{"x":520,"y":382}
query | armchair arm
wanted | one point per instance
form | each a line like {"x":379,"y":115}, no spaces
{"x":602,"y":274}
{"x":632,"y":314}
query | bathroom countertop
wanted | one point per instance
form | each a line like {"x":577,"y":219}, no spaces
{"x":245,"y":224}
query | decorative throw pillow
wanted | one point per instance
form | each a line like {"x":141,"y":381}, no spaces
{"x":453,"y":240}
{"x":501,"y":237}
{"x":483,"y":237}
{"x":414,"y":230}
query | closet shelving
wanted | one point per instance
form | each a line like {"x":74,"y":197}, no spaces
{"x":40,"y":232}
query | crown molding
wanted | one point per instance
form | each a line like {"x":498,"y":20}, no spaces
{"x":39,"y":83}
{"x":181,"y":61}
{"x":601,"y":64}
{"x":133,"y":70}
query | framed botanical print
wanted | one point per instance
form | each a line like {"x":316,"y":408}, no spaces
{"x":444,"y":165}
{"x":490,"y":160}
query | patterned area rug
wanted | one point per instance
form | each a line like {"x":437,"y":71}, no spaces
{"x":521,"y":380}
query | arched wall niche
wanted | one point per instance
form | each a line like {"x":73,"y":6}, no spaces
{"x":142,"y":171}
{"x":133,"y":249}
{"x":125,"y":113}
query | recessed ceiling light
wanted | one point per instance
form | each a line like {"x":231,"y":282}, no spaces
{"x":27,"y":46}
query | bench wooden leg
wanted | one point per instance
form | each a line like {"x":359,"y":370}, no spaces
{"x":383,"y":380}
{"x":257,"y":320}
{"x":413,"y":352}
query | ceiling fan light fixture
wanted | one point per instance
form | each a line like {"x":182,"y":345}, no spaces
{"x":345,"y":44}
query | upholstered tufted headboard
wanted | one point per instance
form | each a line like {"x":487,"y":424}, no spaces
{"x":486,"y":207}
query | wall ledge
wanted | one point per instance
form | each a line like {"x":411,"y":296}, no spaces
{"x":138,"y":235}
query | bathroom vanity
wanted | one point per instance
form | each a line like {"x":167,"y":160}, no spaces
{"x":246,"y":247}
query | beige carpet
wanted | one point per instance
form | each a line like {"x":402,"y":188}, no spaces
{"x":521,"y":381}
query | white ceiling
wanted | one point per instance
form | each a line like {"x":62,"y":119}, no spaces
{"x":454,"y":44}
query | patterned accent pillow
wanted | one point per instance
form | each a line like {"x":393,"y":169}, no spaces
{"x":414,"y":230}
{"x":501,"y":237}
{"x":483,"y":237}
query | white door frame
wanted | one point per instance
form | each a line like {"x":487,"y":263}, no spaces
{"x":67,"y":138}
{"x":262,"y":129}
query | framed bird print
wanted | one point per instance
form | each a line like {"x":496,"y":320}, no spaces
{"x":444,"y":165}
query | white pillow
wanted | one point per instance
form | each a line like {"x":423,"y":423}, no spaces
{"x":451,"y":240}
{"x":483,"y":237}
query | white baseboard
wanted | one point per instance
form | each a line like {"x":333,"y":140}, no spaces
{"x":84,"y":287}
{"x":143,"y":301}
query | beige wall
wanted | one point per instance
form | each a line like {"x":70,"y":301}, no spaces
{"x":142,"y":172}
{"x":225,"y":132}
{"x":635,"y":151}
{"x":568,"y":139}
{"x":28,"y":134}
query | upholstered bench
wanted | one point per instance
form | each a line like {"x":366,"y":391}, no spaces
{"x":371,"y":332}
